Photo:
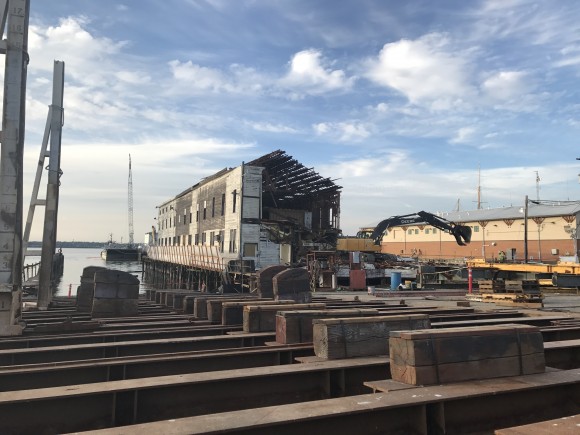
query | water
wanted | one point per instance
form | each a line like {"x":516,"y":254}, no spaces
{"x":76,"y":259}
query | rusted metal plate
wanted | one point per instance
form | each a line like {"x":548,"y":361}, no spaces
{"x":117,"y":403}
{"x":458,"y":408}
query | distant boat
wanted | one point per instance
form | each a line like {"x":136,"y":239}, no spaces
{"x":119,"y":252}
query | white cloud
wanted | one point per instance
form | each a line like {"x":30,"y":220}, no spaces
{"x":343,"y":131}
{"x":199,"y":77}
{"x":506,"y":85}
{"x":272,"y":128}
{"x":309,"y":74}
{"x":463,"y":135}
{"x":424,"y":69}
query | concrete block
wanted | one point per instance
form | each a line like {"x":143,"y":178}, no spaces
{"x":363,"y":336}
{"x":293,"y":284}
{"x":460,"y":354}
{"x":86,"y":291}
{"x":264,"y":280}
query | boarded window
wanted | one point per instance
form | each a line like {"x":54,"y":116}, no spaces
{"x":233,"y":241}
{"x":250,"y":249}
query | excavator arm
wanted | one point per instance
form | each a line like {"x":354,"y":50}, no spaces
{"x":462,"y":233}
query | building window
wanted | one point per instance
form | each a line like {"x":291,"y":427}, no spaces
{"x":234,"y":199}
{"x":427,"y":231}
{"x":222,"y":241}
{"x":196,"y":239}
{"x":211,"y":238}
{"x":213,"y":207}
{"x":434,"y":230}
{"x":223,"y":204}
{"x":250,"y":249}
{"x":204,"y":210}
{"x":410,"y":231}
{"x":416,"y":231}
{"x":476,"y":228}
{"x":189,"y":240}
{"x":197,"y":212}
{"x":203,"y":238}
{"x":190,"y":214}
{"x":232,"y":241}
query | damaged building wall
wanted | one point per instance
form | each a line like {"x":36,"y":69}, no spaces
{"x":272,"y":210}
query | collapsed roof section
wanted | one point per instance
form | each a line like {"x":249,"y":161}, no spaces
{"x":288,"y":184}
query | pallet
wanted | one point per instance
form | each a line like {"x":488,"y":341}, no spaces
{"x":508,"y":299}
{"x":491,"y":286}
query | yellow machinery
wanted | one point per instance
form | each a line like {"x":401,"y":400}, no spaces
{"x":354,"y":244}
{"x":560,"y":268}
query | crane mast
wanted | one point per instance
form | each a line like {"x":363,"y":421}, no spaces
{"x":130,"y":190}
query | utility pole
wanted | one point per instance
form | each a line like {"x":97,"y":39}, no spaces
{"x":537,"y":185}
{"x":130,"y":192}
{"x":479,"y":188}
{"x":15,"y":13}
{"x":526,"y":230}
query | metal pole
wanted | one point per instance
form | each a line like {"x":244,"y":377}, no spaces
{"x":11,"y":162}
{"x":45,"y":276}
{"x":526,"y":231}
{"x":470,"y":280}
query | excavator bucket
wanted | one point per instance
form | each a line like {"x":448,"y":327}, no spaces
{"x":462,"y":234}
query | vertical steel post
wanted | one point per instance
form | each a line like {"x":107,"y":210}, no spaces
{"x":45,"y":277}
{"x":526,"y":230}
{"x":11,"y":162}
{"x":470,"y":279}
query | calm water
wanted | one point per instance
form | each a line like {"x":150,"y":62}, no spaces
{"x":76,"y":259}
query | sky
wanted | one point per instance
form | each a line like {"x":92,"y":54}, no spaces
{"x":408,"y":105}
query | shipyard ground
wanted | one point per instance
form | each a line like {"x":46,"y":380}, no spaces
{"x":169,"y":372}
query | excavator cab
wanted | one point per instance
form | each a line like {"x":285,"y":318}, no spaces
{"x":462,"y":234}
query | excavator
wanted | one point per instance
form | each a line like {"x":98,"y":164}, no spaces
{"x":462,"y":233}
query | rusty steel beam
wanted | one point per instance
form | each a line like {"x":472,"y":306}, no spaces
{"x":115,"y":369}
{"x":561,"y":355}
{"x":468,"y":407}
{"x":119,"y":403}
{"x":96,"y":336}
{"x":38,"y":355}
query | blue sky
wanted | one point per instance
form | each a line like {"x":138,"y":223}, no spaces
{"x":400,"y":101}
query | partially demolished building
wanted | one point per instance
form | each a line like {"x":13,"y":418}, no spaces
{"x":272,"y":210}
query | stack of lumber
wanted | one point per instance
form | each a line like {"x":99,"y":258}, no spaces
{"x":511,"y":292}
{"x":491,"y":286}
{"x":459,"y":354}
{"x":363,"y":336}
{"x":296,"y":326}
{"x":522,"y":286}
